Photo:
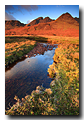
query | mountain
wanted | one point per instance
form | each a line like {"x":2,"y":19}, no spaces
{"x":77,"y":19}
{"x":40,"y":20}
{"x":34,"y":22}
{"x":45,"y":20}
{"x":65,"y":21}
{"x":66,"y":18}
{"x":12,"y":24}
{"x":64,"y":25}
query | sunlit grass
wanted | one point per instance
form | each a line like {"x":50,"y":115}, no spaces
{"x":16,"y":48}
{"x":65,"y":70}
{"x":62,"y":98}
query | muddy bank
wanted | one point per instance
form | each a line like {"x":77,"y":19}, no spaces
{"x":40,"y":49}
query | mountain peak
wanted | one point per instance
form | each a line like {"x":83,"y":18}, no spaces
{"x":46,"y":18}
{"x":67,"y":14}
{"x":66,"y":17}
{"x":40,"y":20}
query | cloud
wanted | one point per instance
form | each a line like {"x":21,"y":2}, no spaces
{"x":9,"y":17}
{"x":29,"y":21}
{"x":29,"y":7}
{"x":14,"y":8}
{"x":9,"y":7}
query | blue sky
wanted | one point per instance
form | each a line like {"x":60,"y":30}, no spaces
{"x":26,"y":13}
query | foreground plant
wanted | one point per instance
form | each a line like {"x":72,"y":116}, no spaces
{"x":38,"y":103}
{"x":65,"y":70}
{"x":15,"y":49}
{"x":62,"y":98}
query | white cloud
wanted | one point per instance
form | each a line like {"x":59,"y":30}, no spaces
{"x":29,"y":21}
{"x":9,"y":17}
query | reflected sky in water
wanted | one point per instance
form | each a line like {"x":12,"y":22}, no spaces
{"x":27,"y":74}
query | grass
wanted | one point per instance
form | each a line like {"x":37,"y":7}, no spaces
{"x":62,"y":98}
{"x":58,"y":39}
{"x":10,"y":39}
{"x":66,"y":70}
{"x":15,"y":48}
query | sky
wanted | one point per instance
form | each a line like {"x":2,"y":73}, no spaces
{"x":27,"y":13}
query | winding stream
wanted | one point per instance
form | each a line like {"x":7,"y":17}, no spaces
{"x":26,"y":75}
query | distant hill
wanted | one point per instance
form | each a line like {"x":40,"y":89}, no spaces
{"x":12,"y":24}
{"x":65,"y":25}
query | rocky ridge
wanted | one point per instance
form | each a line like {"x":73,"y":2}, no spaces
{"x":65,"y":25}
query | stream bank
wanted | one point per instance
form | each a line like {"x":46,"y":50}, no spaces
{"x":27,"y":74}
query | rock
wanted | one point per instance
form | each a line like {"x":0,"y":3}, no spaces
{"x":34,"y":55}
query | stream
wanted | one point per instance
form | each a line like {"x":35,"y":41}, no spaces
{"x":27,"y":74}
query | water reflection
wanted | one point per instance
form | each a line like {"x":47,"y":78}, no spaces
{"x":26,"y":75}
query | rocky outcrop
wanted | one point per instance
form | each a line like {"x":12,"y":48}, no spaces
{"x":40,"y":20}
{"x":46,"y":19}
{"x":34,"y":22}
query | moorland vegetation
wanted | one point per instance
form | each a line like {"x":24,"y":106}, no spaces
{"x":62,"y":98}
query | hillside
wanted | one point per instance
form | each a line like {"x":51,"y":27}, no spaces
{"x":12,"y":24}
{"x":65,"y":25}
{"x":77,"y":19}
{"x":34,"y":22}
{"x":39,"y":20}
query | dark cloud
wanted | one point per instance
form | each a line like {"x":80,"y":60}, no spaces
{"x":9,"y":17}
{"x":12,"y":9}
{"x":29,"y":7}
{"x":9,"y":7}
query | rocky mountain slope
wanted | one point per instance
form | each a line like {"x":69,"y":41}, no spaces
{"x":40,"y":20}
{"x":65,"y":25}
{"x":12,"y":24}
{"x":77,"y":19}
